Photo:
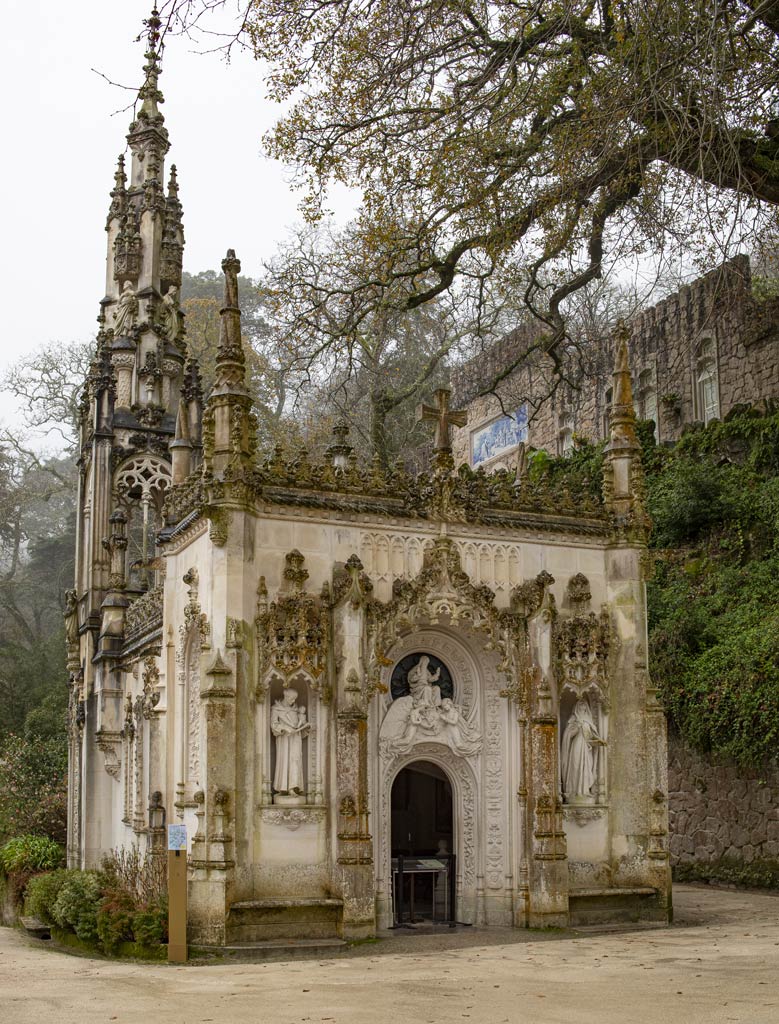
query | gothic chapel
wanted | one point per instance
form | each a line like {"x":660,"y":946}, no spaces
{"x":372,"y":699}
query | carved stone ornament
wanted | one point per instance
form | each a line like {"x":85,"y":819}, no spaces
{"x":582,"y":815}
{"x":426,"y":716}
{"x":151,"y":678}
{"x":582,"y":647}
{"x":293,"y":632}
{"x":145,"y":614}
{"x":291,"y":818}
{"x":110,"y":745}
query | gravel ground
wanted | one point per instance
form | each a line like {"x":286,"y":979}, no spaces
{"x":718,"y":962}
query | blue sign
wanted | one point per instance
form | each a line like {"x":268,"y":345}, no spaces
{"x":498,"y":437}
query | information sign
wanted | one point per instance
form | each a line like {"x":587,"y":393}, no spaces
{"x":177,"y":837}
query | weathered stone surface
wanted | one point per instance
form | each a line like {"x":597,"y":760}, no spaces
{"x":716,"y":809}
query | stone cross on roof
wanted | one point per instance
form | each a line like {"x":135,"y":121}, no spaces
{"x":444,"y":418}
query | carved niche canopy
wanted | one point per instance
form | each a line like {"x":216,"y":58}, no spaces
{"x":582,"y":644}
{"x":293,"y":632}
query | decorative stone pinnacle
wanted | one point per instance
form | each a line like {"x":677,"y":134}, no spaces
{"x":173,"y":183}
{"x":623,"y":416}
{"x":230,"y":359}
{"x":339,"y":451}
{"x":149,"y":91}
{"x":120,"y":176}
{"x":231,"y":268}
{"x":444,"y":418}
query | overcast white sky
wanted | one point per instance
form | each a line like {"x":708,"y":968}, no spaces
{"x":61,"y":140}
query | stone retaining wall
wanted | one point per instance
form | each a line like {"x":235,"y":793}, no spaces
{"x":718,"y":810}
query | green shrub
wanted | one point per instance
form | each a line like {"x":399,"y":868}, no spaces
{"x":150,"y":925}
{"x":115,"y":919}
{"x":30,"y":853}
{"x":76,"y":905}
{"x":33,"y":783}
{"x":41,"y":895}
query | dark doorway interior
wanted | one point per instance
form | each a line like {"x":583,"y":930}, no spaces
{"x":422,"y":827}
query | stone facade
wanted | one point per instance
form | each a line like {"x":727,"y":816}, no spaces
{"x":720,"y":810}
{"x":250,"y":644}
{"x":693,"y":357}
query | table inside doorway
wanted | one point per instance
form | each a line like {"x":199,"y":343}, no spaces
{"x":413,"y":866}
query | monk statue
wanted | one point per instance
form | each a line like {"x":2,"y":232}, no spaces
{"x":288,"y":723}
{"x":577,"y":755}
{"x":126,"y":311}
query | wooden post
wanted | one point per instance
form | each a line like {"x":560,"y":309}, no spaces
{"x":177,"y":897}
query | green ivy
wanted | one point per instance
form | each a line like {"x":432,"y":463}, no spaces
{"x":714,"y":599}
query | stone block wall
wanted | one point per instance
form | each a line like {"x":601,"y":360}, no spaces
{"x":719,"y":810}
{"x":665,"y":346}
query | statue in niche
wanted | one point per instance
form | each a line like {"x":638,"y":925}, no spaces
{"x":171,"y":314}
{"x":425,"y":716}
{"x":126,"y":311}
{"x":577,"y":755}
{"x":288,"y":723}
{"x":71,"y":618}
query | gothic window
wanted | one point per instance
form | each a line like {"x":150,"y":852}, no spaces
{"x":139,"y":488}
{"x":565,"y":435}
{"x":706,"y":381}
{"x":607,"y":400}
{"x":647,"y":397}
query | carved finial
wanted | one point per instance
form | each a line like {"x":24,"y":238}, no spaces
{"x":173,"y":183}
{"x":149,"y":91}
{"x":339,"y":451}
{"x":230,"y":359}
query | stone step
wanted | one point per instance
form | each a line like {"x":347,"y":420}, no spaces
{"x":35,"y":927}
{"x":281,"y":949}
{"x":275,"y":918}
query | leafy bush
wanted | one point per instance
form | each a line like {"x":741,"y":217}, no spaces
{"x":41,"y":895}
{"x":31,"y":853}
{"x":115,"y":919}
{"x":77,"y":902}
{"x":150,"y":924}
{"x":33,"y":782}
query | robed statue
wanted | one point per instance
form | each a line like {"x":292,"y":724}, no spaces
{"x":578,"y":753}
{"x":288,"y":723}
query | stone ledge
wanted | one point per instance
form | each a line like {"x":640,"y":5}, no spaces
{"x":274,"y":902}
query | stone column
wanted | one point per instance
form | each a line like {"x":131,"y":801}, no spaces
{"x":354,"y":848}
{"x":548,"y":861}
{"x":212,"y":864}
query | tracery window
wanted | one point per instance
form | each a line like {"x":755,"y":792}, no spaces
{"x":707,"y":381}
{"x":608,"y":397}
{"x":139,"y":489}
{"x":647,"y":396}
{"x":565,"y":435}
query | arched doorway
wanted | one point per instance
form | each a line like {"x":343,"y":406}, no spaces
{"x":422,"y":830}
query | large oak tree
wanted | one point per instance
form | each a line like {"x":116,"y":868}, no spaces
{"x":525,"y":142}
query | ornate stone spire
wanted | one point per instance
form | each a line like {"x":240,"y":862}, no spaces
{"x":148,"y":138}
{"x":228,"y":424}
{"x":230,"y":359}
{"x":622,"y":430}
{"x":623,"y":476}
